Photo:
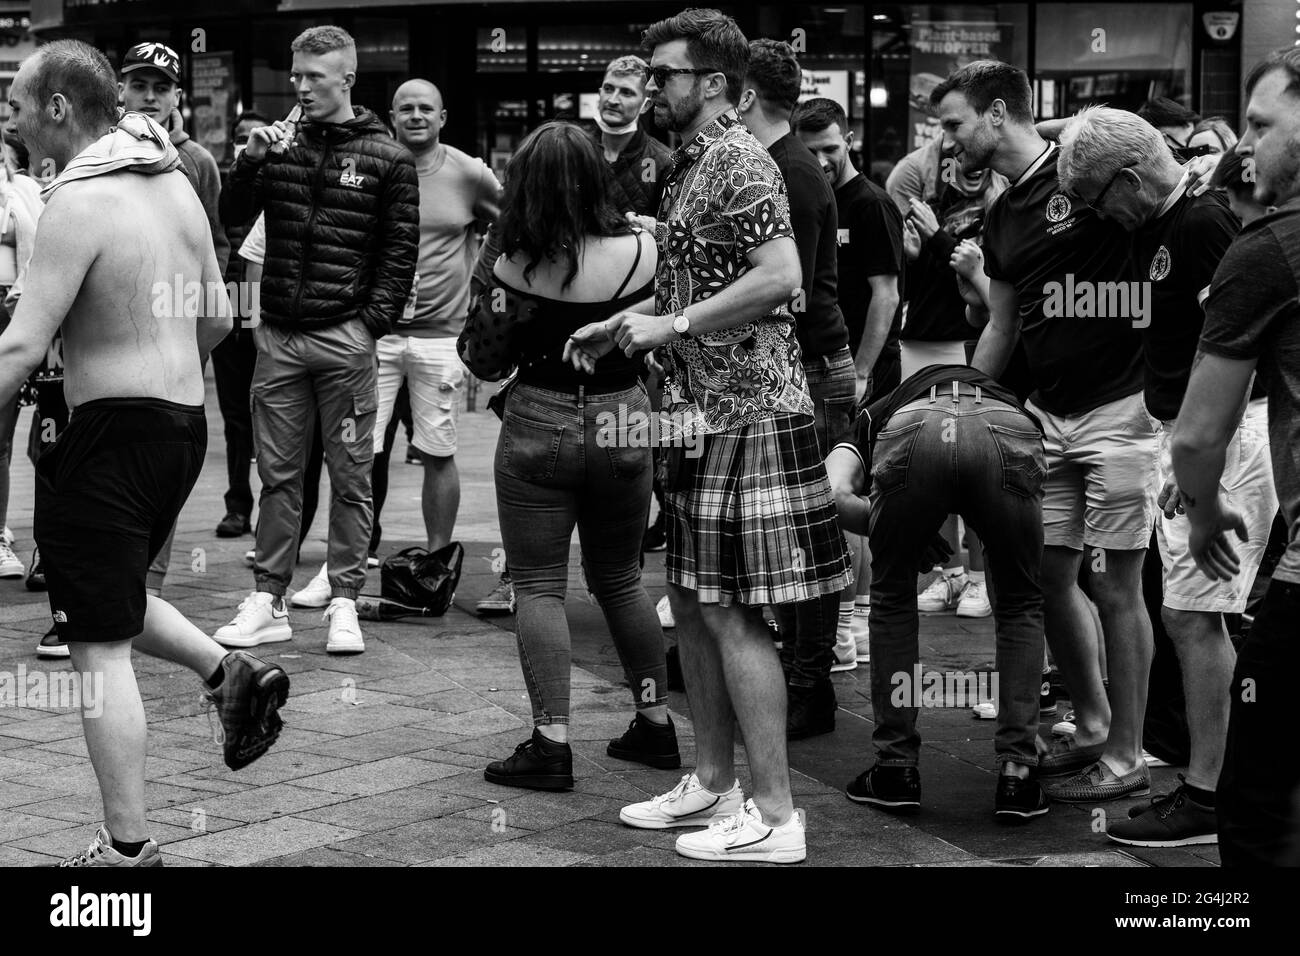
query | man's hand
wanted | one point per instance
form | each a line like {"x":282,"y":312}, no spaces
{"x":1170,"y":500}
{"x":1211,"y":546}
{"x":1201,"y":169}
{"x":927,"y":224}
{"x":911,"y":241}
{"x":644,"y":222}
{"x":261,"y":139}
{"x":636,"y":332}
{"x":587,"y":345}
{"x":967,"y":259}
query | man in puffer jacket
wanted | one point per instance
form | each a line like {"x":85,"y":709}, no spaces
{"x":341,"y":202}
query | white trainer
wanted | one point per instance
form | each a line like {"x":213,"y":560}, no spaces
{"x":345,"y":631}
{"x":975,"y":601}
{"x":258,"y":621}
{"x":862,"y":632}
{"x":317,"y":591}
{"x":7,"y":536}
{"x":250,"y":557}
{"x":686,"y":805}
{"x":11,"y":566}
{"x":985,"y":710}
{"x":665,"y":611}
{"x":846,"y":648}
{"x":943,"y":594}
{"x":744,"y":836}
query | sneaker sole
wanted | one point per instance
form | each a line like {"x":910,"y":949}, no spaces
{"x":961,"y":613}
{"x":694,"y":820}
{"x":494,"y":609}
{"x":47,"y":653}
{"x":840,"y":667}
{"x":1201,"y":839}
{"x":537,"y":782}
{"x":13,"y":575}
{"x":343,"y":649}
{"x":1015,"y":816}
{"x":791,"y":855}
{"x":896,"y":806}
{"x":267,"y":635}
{"x":664,"y":762}
{"x":309,"y":603}
{"x":269,"y":695}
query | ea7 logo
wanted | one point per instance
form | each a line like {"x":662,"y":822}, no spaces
{"x":352,"y":180}
{"x":133,"y":910}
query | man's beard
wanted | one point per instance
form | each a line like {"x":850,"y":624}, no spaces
{"x":682,"y":116}
{"x":1281,"y":183}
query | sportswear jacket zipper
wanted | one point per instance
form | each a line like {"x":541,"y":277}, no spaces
{"x":311,"y":222}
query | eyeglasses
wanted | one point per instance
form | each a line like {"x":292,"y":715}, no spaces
{"x":661,"y":74}
{"x":1095,"y":202}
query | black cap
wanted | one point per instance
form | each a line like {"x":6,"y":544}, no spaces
{"x":153,"y":56}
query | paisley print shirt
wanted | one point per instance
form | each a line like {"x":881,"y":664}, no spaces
{"x":724,"y":198}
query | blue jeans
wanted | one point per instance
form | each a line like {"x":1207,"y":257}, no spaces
{"x":983,"y":460}
{"x":563,"y":460}
{"x":808,"y":628}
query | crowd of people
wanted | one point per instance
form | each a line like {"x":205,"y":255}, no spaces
{"x":1052,"y":367}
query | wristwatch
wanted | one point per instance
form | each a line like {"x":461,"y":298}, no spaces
{"x":681,"y":324}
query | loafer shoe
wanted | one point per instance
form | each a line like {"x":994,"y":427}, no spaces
{"x":1099,"y":783}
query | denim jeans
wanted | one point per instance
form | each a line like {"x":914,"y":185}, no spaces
{"x":565,"y":460}
{"x":808,"y":628}
{"x":832,"y":383}
{"x":1256,"y":798}
{"x":982,"y":459}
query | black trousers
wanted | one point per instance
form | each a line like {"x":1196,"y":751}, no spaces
{"x":232,"y":367}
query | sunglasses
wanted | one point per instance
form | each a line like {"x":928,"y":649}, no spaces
{"x":661,"y":74}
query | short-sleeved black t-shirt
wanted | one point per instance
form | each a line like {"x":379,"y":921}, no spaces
{"x":1253,"y":312}
{"x":870,"y":244}
{"x":1067,"y":266}
{"x":936,"y":312}
{"x":1177,"y":253}
{"x":820,"y":325}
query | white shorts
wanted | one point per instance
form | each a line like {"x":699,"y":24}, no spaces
{"x":1101,"y":476}
{"x":435,"y":376}
{"x":914,"y":356}
{"x":1247,"y":486}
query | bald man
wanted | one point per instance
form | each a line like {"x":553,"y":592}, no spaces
{"x":457,"y":193}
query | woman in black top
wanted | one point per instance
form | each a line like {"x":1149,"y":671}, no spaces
{"x":575,"y":442}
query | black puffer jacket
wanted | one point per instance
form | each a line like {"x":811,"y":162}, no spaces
{"x":342,"y":224}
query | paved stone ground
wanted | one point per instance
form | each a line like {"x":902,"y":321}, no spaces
{"x":381,"y":760}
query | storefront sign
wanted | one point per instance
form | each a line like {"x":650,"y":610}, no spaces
{"x":938,"y":48}
{"x":212,"y":100}
{"x":832,"y":84}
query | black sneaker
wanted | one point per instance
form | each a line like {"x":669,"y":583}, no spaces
{"x":233,"y":525}
{"x":674,"y":661}
{"x":897,"y":789}
{"x":1171,"y":819}
{"x":1047,"y":697}
{"x":248,"y":703}
{"x":810,"y":711}
{"x":50,"y":646}
{"x":648,"y":743}
{"x":413,"y":456}
{"x":536,"y":764}
{"x":655,"y":537}
{"x":36,"y":576}
{"x":1018,"y":799}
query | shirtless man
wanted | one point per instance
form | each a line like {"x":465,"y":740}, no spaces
{"x":110,"y":488}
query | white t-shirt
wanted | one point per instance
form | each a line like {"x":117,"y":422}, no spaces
{"x":254,"y":246}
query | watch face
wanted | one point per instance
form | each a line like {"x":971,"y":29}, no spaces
{"x":680,"y":324}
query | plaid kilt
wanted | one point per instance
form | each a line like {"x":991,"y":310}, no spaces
{"x":755,"y":523}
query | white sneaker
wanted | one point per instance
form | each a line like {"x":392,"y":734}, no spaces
{"x":1063,"y":728}
{"x":345,"y":631}
{"x":10,"y":564}
{"x":317,"y":591}
{"x":943,"y":594}
{"x":665,"y":611}
{"x":7,"y":536}
{"x":744,"y":836}
{"x":846,"y":648}
{"x":686,"y":805}
{"x":250,"y":557}
{"x":862,"y":632}
{"x":975,"y":601}
{"x":257,"y":621}
{"x":985,"y":710}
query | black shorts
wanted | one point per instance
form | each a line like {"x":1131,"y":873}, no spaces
{"x":107,"y":494}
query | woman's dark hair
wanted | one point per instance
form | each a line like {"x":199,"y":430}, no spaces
{"x":556,"y":194}
{"x":21,"y":157}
